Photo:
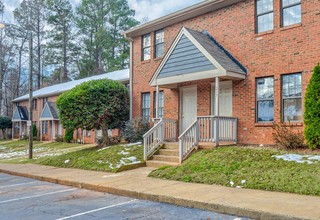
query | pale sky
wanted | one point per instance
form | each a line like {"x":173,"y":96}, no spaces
{"x":151,"y":9}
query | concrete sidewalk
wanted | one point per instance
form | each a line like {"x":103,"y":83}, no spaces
{"x":135,"y":183}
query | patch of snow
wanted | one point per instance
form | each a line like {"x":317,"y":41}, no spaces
{"x":111,"y":166}
{"x":238,"y":187}
{"x":66,"y":161}
{"x":13,"y":154}
{"x":124,"y":152}
{"x":131,"y":144}
{"x":310,"y":159}
{"x":243,"y":182}
{"x":103,"y":149}
{"x":231,"y":183}
{"x":2,"y":147}
{"x":261,"y":145}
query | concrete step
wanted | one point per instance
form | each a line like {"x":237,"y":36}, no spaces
{"x":166,"y":158}
{"x":157,"y":163}
{"x":169,"y":152}
{"x":171,"y":145}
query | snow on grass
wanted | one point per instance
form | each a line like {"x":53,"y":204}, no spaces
{"x":123,"y":152}
{"x":131,"y":144}
{"x":124,"y":162}
{"x":2,"y":147}
{"x":310,"y":159}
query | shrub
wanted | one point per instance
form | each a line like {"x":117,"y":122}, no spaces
{"x":285,"y":136}
{"x":59,"y":138}
{"x":135,"y":129}
{"x":34,"y":130}
{"x":68,"y":136}
{"x":312,"y":110}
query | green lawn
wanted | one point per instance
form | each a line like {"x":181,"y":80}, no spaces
{"x":111,"y":159}
{"x":71,"y":155}
{"x":254,"y":165}
{"x":15,"y":151}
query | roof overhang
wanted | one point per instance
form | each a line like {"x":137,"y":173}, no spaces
{"x":172,"y":81}
{"x":179,"y":16}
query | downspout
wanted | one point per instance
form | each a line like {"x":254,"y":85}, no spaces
{"x":130,"y":74}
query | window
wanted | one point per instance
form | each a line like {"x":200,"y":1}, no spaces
{"x":45,"y":100}
{"x":292,"y":97}
{"x":35,"y":104}
{"x":146,"y":47}
{"x":291,"y":12}
{"x":45,"y":127}
{"x":146,"y":106}
{"x":159,"y":43}
{"x":265,"y":99}
{"x":264,"y":15}
{"x":161,"y":104}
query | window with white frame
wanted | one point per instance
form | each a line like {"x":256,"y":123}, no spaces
{"x":45,"y":127}
{"x":160,"y":104}
{"x":291,"y":12}
{"x":146,"y":47}
{"x":264,"y":14}
{"x":265,"y":99}
{"x":292,"y":97}
{"x":159,"y":43}
{"x":146,"y":106}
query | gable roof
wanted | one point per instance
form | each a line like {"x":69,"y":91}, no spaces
{"x":216,"y":50}
{"x":120,"y":75}
{"x":20,"y":114}
{"x":215,"y":60}
{"x":179,"y":16}
{"x":49,"y":112}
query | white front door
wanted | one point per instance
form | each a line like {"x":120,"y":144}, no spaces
{"x":188,"y":107}
{"x":225,"y":99}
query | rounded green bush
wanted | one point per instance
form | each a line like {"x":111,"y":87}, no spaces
{"x":312,"y":110}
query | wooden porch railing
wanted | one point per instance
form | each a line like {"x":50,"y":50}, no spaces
{"x":188,"y":140}
{"x":163,"y":130}
{"x":227,"y":128}
{"x":203,"y":130}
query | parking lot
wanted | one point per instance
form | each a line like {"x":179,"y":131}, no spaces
{"x":23,"y":198}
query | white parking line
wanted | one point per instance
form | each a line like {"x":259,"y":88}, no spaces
{"x":35,"y":196}
{"x":18,"y":184}
{"x":96,"y":210}
{"x":6,"y":178}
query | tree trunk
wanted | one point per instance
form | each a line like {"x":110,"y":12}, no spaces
{"x":4,"y":133}
{"x":105,"y":136}
{"x":65,"y":74}
{"x":39,"y":51}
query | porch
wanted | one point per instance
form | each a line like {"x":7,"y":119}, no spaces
{"x":205,"y":132}
{"x":202,"y":73}
{"x":19,"y":122}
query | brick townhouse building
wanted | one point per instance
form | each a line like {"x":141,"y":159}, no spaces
{"x":45,"y":113}
{"x":224,"y":70}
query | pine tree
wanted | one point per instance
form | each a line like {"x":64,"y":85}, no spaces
{"x":312,"y":110}
{"x":31,"y":17}
{"x":60,"y":18}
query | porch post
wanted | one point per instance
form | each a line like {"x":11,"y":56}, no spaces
{"x":52,"y":130}
{"x":20,"y":129}
{"x":40,"y":129}
{"x":157,"y":102}
{"x":12,"y":130}
{"x":216,"y":111}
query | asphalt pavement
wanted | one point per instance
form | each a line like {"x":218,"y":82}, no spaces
{"x":25,"y":198}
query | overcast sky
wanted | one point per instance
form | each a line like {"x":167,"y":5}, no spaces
{"x":151,"y":9}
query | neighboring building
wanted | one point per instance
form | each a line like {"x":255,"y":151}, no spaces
{"x":248,"y":62}
{"x":45,"y":113}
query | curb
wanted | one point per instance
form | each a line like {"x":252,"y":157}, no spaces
{"x":230,"y":210}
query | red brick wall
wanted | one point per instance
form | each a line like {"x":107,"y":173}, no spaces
{"x":281,"y":51}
